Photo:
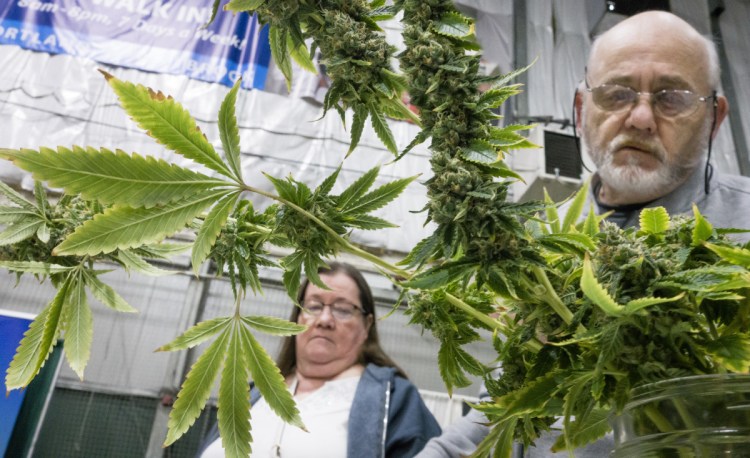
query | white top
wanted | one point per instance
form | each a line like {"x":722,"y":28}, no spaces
{"x":325,"y":413}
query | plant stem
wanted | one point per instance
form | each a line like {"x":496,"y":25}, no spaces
{"x":345,"y":244}
{"x":553,"y":299}
{"x":237,"y":299}
{"x":476,"y":314}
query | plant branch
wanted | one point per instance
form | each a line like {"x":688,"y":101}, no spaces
{"x":345,"y":244}
{"x":494,"y":324}
{"x":552,"y":299}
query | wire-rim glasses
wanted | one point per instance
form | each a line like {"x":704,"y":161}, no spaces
{"x":341,"y":310}
{"x":667,"y":103}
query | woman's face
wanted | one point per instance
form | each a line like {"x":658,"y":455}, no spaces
{"x":331,"y":345}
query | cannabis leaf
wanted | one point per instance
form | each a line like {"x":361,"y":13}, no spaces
{"x":113,"y":177}
{"x":122,"y":227}
{"x":167,"y":122}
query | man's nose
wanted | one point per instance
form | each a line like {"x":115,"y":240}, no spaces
{"x":641,"y":115}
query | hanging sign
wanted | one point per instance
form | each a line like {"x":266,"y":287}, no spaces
{"x":164,"y":36}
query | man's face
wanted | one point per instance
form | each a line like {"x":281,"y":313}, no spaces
{"x":641,"y":155}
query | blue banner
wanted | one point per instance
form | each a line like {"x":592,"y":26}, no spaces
{"x":164,"y":36}
{"x":12,"y":327}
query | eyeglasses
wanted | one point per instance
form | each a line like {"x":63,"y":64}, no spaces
{"x":341,"y":310}
{"x":667,"y":103}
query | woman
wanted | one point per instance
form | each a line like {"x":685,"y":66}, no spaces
{"x":354,"y":400}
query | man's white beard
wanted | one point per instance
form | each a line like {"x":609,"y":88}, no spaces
{"x":638,"y":184}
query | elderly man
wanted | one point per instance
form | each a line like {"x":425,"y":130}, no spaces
{"x":647,"y":110}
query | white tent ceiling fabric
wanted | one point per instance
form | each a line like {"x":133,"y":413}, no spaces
{"x":51,"y":100}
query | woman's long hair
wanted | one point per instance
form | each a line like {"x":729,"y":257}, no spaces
{"x":372,"y":352}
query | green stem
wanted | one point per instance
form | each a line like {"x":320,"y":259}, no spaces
{"x":658,"y":419}
{"x":345,"y":244}
{"x":237,"y":300}
{"x":663,"y":424}
{"x":551,"y":296}
{"x":494,"y":324}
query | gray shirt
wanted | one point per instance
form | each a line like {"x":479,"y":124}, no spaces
{"x":727,"y":204}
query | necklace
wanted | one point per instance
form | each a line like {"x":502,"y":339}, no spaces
{"x":276,"y":449}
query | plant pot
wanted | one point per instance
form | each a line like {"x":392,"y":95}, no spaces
{"x":698,"y":416}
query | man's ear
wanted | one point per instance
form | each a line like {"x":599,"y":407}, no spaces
{"x":578,"y":107}
{"x":722,"y":109}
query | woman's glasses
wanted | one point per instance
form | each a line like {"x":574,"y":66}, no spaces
{"x":668,"y":103}
{"x":341,"y":310}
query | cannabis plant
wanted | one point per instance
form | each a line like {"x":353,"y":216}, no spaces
{"x":580,"y":312}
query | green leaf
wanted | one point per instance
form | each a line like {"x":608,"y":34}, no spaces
{"x":34,"y":267}
{"x":211,"y":228}
{"x":452,"y":25}
{"x":273,"y":326}
{"x":14,"y":214}
{"x":553,"y":218}
{"x":79,"y":326}
{"x":732,"y":351}
{"x":11,"y":194}
{"x":505,"y":137}
{"x":197,"y":388}
{"x":167,"y":122}
{"x":500,"y":437}
{"x":42,"y":233}
{"x":238,"y":6}
{"x":643,"y":302}
{"x":576,"y":207}
{"x":214,"y":10}
{"x":654,"y":220}
{"x":197,"y":334}
{"x":585,"y":430}
{"x":506,"y":78}
{"x":533,"y":395}
{"x":422,"y":251}
{"x":41,"y":200}
{"x":596,"y":293}
{"x":37,"y":342}
{"x":301,"y":55}
{"x":292,"y":265}
{"x":496,"y":97}
{"x":132,"y":261}
{"x":285,"y":188}
{"x":106,"y":294}
{"x":442,"y":275}
{"x":703,"y":230}
{"x":358,"y":188}
{"x":395,"y":108}
{"x":164,"y":250}
{"x":383,"y":131}
{"x":591,"y":224}
{"x":234,"y":398}
{"x":734,"y":255}
{"x":358,"y":124}
{"x":229,"y":132}
{"x":269,"y":381}
{"x":580,"y":242}
{"x":277,"y":37}
{"x":114,"y":178}
{"x":450,"y":370}
{"x":122,"y":227}
{"x":379,"y":197}
{"x":480,"y":152}
{"x":20,"y":230}
{"x":369,"y":223}
{"x":327,"y":184}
